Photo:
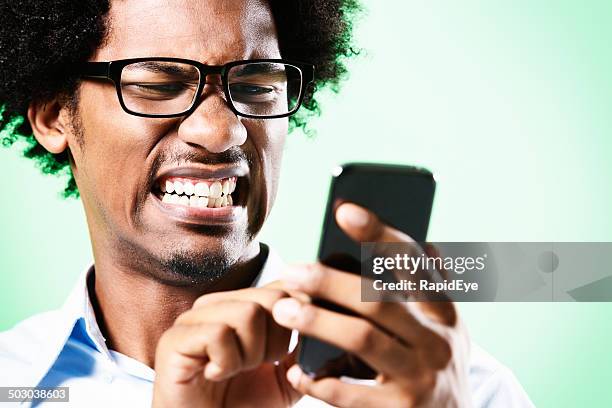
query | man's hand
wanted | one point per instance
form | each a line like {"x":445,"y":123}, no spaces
{"x":221,"y":353}
{"x":420,"y":350}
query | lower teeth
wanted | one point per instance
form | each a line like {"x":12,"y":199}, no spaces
{"x":200,"y":202}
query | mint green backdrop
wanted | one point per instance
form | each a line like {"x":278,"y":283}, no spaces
{"x":506,"y":101}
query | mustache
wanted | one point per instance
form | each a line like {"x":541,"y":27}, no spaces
{"x":231,"y":156}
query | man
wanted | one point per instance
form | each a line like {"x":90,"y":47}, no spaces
{"x":172,"y":116}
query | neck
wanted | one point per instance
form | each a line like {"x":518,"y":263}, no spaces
{"x":133,"y":310}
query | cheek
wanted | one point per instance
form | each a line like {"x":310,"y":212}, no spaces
{"x":269,"y":141}
{"x":110,"y":167}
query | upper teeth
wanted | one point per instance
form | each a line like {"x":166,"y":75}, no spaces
{"x":187,"y":188}
{"x":178,"y":187}
{"x":201,"y":189}
{"x":199,"y":193}
{"x":215,"y":190}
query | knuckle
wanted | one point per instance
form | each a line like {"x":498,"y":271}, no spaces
{"x":169,"y":339}
{"x":277,"y":294}
{"x":376,"y":308}
{"x":219,"y":332}
{"x":441,"y":352}
{"x":184,"y":318}
{"x":375,"y":230}
{"x":366,"y":338}
{"x":429,"y":382}
{"x":341,"y":398}
{"x":199,"y":301}
{"x":317,"y":275}
{"x":451,"y":314}
{"x":303,"y":385}
{"x":166,"y":339}
{"x":309,"y":315}
{"x":403,"y":400}
{"x":418,"y":394}
{"x":204,"y":299}
{"x":252,"y":311}
{"x":445,"y":354}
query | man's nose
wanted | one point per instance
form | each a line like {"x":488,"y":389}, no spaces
{"x":213,"y":125}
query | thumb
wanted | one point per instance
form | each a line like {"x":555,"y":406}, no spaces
{"x":363,"y":225}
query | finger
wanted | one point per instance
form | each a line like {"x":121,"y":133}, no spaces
{"x":344,"y":289}
{"x":336,"y":392}
{"x":266,"y":297}
{"x":277,"y":284}
{"x":283,"y":366}
{"x":364,"y":226}
{"x":184,"y":350}
{"x":260,"y":337}
{"x":248,"y":319}
{"x":382,"y":352}
{"x":278,"y":337}
{"x":280,"y":285}
{"x":442,"y":312}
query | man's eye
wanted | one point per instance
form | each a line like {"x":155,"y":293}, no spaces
{"x":250,"y":90}
{"x":158,"y":90}
{"x":166,"y":88}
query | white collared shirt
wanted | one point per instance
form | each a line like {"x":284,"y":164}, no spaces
{"x":65,"y":347}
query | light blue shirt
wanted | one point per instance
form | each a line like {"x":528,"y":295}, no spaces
{"x":65,"y":347}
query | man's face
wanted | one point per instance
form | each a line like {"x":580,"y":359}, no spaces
{"x":123,"y":161}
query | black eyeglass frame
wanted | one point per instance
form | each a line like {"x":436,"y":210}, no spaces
{"x":111,"y":70}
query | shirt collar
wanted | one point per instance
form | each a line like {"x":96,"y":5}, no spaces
{"x":78,"y":306}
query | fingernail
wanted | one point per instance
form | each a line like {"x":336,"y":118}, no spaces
{"x":354,"y":215}
{"x":285,"y":310}
{"x":293,"y":375}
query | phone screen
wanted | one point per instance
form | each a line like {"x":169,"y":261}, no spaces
{"x":402,"y":197}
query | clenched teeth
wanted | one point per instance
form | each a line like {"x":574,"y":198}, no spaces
{"x":193,"y":193}
{"x":215,"y":190}
{"x":193,"y":201}
{"x":201,"y":190}
{"x":188,"y":188}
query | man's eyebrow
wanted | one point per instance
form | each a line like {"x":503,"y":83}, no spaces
{"x":257,"y":69}
{"x":166,"y":68}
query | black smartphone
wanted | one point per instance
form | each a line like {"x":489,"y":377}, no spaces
{"x":402,"y":197}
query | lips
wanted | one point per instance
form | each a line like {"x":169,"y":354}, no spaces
{"x":202,"y":194}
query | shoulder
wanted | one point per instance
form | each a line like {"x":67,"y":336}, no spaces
{"x":493,"y":384}
{"x":24,"y":346}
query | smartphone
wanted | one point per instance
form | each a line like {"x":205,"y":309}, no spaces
{"x":402,"y":197}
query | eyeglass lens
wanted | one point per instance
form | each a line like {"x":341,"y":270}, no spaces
{"x":166,"y":88}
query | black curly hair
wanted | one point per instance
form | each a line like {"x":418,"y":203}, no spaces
{"x":40,"y":39}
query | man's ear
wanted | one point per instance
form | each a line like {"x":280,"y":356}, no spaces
{"x":49,"y":124}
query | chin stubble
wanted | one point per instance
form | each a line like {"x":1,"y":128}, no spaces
{"x":196,"y":268}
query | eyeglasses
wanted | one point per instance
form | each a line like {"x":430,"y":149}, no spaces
{"x":160,"y":87}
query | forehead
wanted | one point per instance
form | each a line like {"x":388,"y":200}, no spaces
{"x":211,"y":31}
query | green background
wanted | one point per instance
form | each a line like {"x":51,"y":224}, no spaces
{"x":506,"y":101}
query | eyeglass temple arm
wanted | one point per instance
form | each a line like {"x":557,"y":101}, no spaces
{"x":95,"y":70}
{"x":309,"y":74}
